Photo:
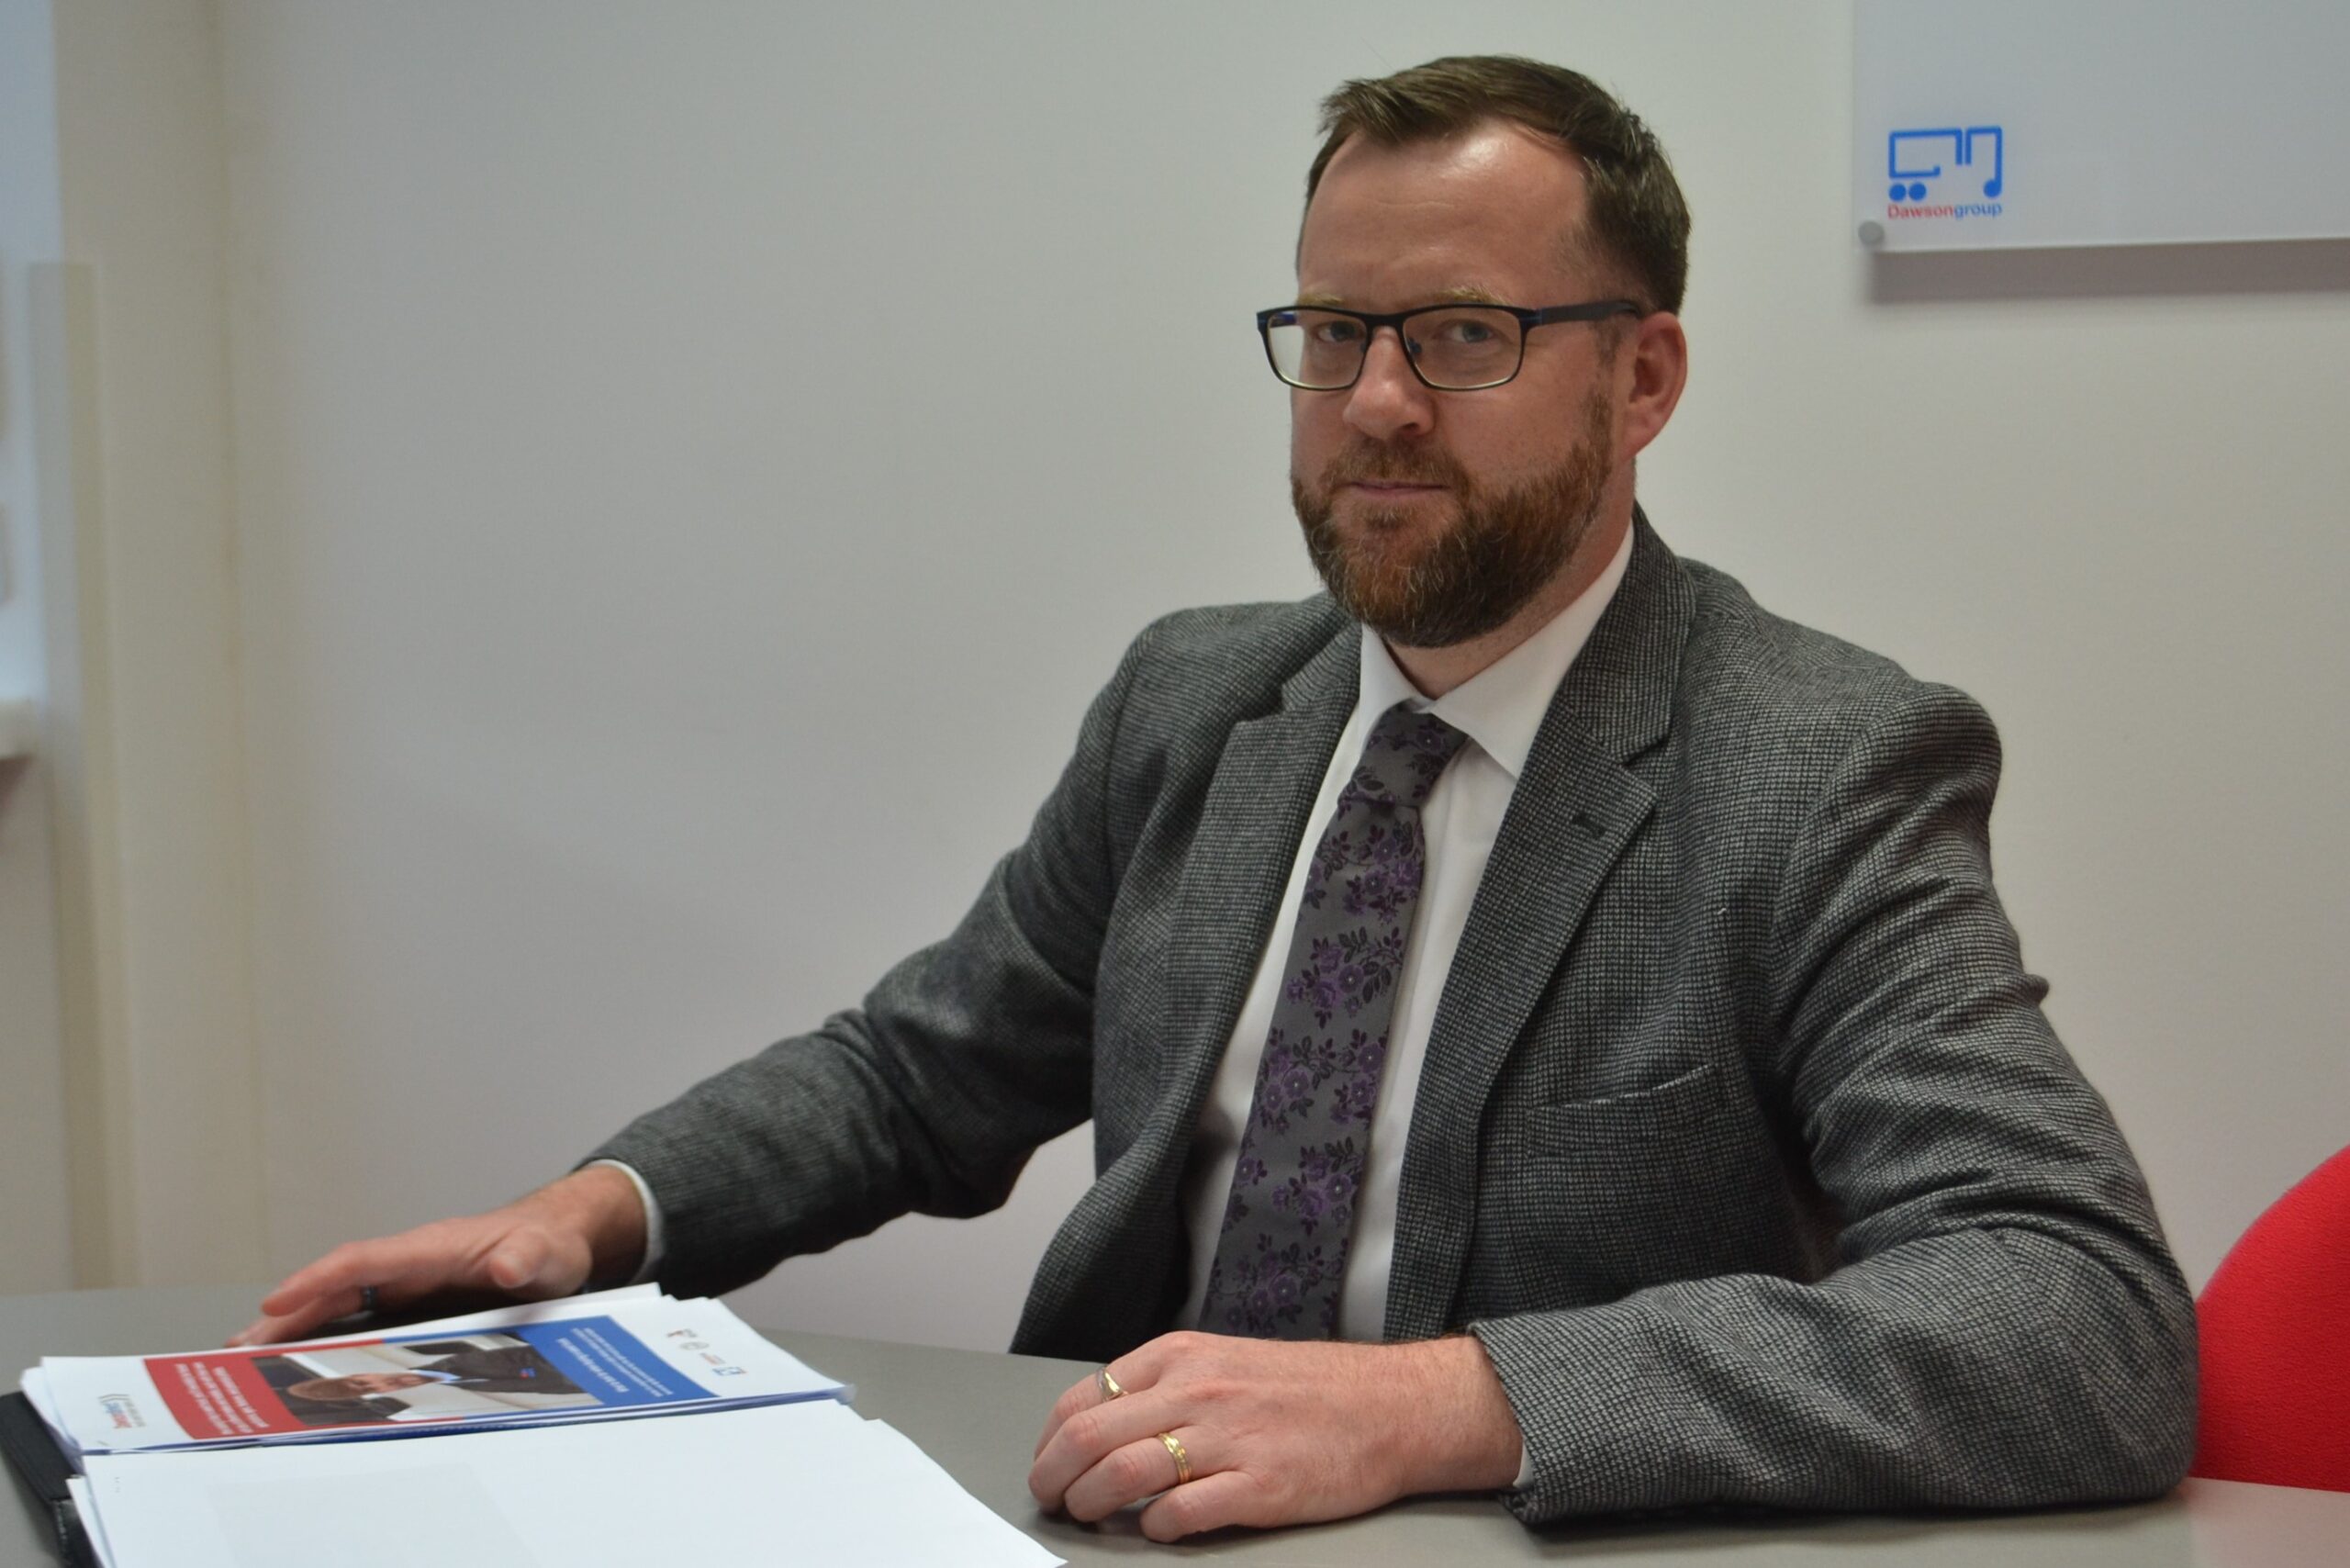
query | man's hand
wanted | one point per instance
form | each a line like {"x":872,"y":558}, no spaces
{"x":589,"y":1224}
{"x":1276,"y":1432}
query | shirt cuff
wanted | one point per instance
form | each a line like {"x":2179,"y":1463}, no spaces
{"x":653,"y":1241}
{"x":1525,"y":1454}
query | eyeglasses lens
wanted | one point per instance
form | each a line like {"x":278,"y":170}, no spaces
{"x":1455,"y":347}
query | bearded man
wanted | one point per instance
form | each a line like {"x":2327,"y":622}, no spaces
{"x":1547,"y":1022}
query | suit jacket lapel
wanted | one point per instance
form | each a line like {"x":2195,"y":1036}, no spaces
{"x":1249,"y":830}
{"x":1118,"y":1264}
{"x":1576,"y":809}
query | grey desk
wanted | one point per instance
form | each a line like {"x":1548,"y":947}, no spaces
{"x":978,"y":1415}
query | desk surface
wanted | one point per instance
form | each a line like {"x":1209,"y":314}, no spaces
{"x":978,"y":1415}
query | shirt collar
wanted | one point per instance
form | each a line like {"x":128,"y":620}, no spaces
{"x":1501,"y":707}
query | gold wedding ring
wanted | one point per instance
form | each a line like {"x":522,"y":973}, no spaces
{"x":1182,"y":1460}
{"x":1107,"y":1384}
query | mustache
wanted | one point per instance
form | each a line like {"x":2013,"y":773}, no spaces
{"x":1372,"y":462}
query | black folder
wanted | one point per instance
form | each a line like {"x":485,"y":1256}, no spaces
{"x":40,"y":1466}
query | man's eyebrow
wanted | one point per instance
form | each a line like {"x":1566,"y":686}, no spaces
{"x":1464,"y":294}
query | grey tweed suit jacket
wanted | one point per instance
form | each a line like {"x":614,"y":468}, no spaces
{"x":1743,"y":1144}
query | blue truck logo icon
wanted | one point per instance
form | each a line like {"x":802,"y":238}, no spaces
{"x":1913,"y":157}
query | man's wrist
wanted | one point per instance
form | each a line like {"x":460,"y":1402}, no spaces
{"x":1457,"y":1428}
{"x":649,"y":1259}
{"x":598,"y":1203}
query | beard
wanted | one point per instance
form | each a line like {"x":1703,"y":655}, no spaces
{"x":1481,"y":568}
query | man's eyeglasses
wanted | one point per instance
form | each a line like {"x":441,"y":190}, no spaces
{"x":1452,"y":348}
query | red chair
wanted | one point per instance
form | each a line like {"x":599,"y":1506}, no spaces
{"x":2274,"y":1325}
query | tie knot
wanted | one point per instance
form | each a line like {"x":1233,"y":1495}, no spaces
{"x":1406,"y":751}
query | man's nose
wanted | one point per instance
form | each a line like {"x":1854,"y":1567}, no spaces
{"x":1388,"y":399}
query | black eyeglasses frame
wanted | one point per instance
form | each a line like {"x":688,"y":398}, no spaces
{"x":1373,"y":321}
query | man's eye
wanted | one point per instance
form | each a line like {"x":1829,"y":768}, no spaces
{"x":1465,"y":332}
{"x":1337,"y":331}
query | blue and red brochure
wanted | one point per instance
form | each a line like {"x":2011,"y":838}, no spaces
{"x":614,"y":1355}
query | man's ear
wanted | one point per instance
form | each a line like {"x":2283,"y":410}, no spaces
{"x":1652,"y":367}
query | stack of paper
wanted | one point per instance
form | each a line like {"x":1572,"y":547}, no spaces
{"x":243,"y":1459}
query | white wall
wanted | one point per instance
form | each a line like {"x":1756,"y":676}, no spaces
{"x":630,"y":671}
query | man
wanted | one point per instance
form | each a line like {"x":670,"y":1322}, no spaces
{"x":360,"y":1397}
{"x":504,"y":1368}
{"x":1533,"y":955}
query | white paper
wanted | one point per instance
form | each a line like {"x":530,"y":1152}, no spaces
{"x":809,"y":1482}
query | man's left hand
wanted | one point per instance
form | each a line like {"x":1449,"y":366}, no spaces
{"x":1276,"y":1432}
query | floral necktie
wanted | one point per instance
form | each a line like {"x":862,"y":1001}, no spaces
{"x":1283,"y":1250}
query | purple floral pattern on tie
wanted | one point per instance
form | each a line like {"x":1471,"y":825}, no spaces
{"x":1324,"y":1187}
{"x":1279,"y":1286}
{"x":1282,"y":1252}
{"x":1348,"y":970}
{"x":1358,"y":1092}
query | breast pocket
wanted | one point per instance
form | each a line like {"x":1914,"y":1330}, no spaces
{"x":1587,"y":1200}
{"x":1566,"y":1129}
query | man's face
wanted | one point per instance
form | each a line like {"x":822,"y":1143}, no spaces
{"x":1435,"y":516}
{"x":384,"y":1383}
{"x":355,"y":1385}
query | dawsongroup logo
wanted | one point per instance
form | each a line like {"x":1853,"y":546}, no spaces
{"x":1921,"y":163}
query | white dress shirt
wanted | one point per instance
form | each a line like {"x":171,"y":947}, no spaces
{"x":1499,"y":709}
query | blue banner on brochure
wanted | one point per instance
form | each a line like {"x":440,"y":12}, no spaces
{"x":604,"y":1359}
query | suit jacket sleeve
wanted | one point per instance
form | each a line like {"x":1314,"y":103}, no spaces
{"x":929,"y":1097}
{"x":507,"y":1369}
{"x":2003,"y":1325}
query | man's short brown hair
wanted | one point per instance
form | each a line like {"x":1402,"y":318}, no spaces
{"x":1636,"y":224}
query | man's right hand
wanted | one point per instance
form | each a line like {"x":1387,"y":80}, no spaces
{"x":588,"y":1225}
